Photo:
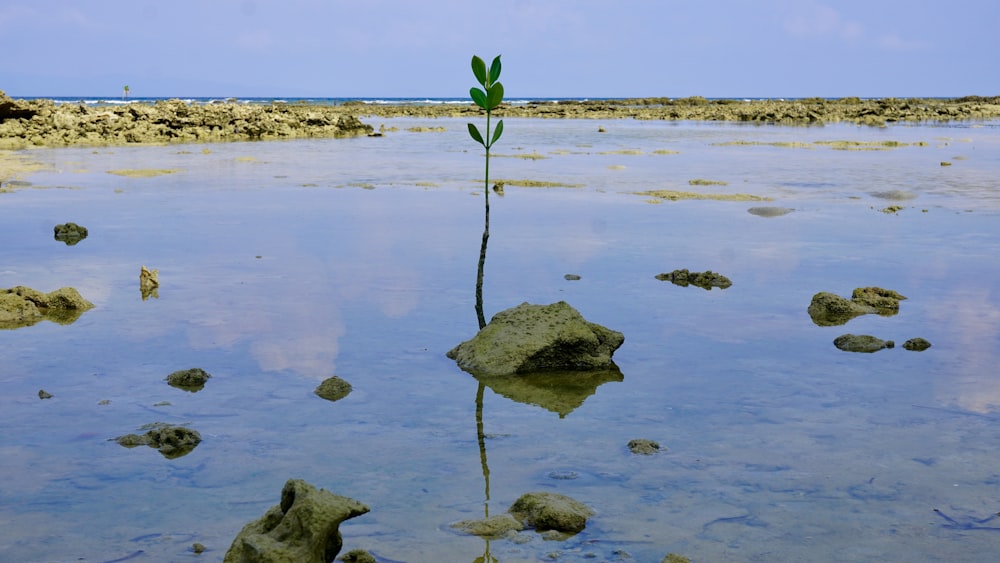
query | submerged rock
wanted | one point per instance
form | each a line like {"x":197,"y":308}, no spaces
{"x":303,"y":528}
{"x":643,"y":446}
{"x":491,"y":527}
{"x":861,"y":343}
{"x":828,"y":309}
{"x":171,"y":441}
{"x":538,"y":338}
{"x":22,"y":306}
{"x":769,"y":211}
{"x":192,"y":380}
{"x":551,"y":511}
{"x":333,"y":388}
{"x":916,"y":344}
{"x":705,"y":280}
{"x":69,"y":233}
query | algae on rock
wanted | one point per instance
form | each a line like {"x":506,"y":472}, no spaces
{"x":22,"y":306}
{"x":303,"y":528}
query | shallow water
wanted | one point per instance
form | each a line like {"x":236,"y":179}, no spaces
{"x":283,"y":263}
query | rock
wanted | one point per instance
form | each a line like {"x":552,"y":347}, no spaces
{"x":303,"y":528}
{"x":861,"y":343}
{"x":675,"y":558}
{"x":22,"y":306}
{"x":916,"y":344}
{"x":551,"y":511}
{"x":70,"y":233}
{"x":171,"y":441}
{"x":333,"y":389}
{"x":769,"y":211}
{"x":43,"y":394}
{"x":192,"y":380}
{"x":490,"y":527}
{"x":358,"y":556}
{"x":828,"y":309}
{"x":197,"y":547}
{"x":571,"y":277}
{"x":149,"y":283}
{"x":43,"y":123}
{"x":643,"y":446}
{"x":538,"y":338}
{"x":705,"y":280}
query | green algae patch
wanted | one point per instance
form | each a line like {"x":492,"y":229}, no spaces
{"x":784,"y":144}
{"x":665,"y":151}
{"x":675,"y":195}
{"x":143,"y":172}
{"x":863,"y":145}
{"x":631,"y":152}
{"x":534,"y":155}
{"x":704,"y":182}
{"x":537,"y":184}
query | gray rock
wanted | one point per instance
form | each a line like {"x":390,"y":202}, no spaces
{"x":551,"y":511}
{"x":861,"y":343}
{"x":538,"y":338}
{"x":304,"y":528}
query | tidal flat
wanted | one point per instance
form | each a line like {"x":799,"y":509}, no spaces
{"x":283,"y":263}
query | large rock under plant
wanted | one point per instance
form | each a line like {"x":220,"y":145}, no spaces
{"x":304,"y":528}
{"x":23,"y":306}
{"x":538,"y":338}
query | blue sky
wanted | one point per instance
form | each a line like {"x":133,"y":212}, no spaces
{"x":558,"y":48}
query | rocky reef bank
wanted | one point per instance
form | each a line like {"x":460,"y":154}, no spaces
{"x":44,"y":123}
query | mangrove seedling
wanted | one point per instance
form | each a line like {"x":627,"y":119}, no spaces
{"x":488,"y":98}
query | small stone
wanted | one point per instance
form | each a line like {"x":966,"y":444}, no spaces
{"x":571,"y":277}
{"x":197,"y":547}
{"x":916,"y":344}
{"x":70,"y":233}
{"x":192,"y":380}
{"x":333,"y":389}
{"x":643,"y":446}
{"x":43,"y":394}
{"x":104,"y":402}
{"x":861,"y":343}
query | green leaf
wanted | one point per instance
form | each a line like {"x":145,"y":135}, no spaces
{"x":479,"y":69}
{"x":494,"y":95}
{"x":479,"y":97}
{"x":497,"y":132}
{"x":476,"y":136}
{"x":495,"y":70}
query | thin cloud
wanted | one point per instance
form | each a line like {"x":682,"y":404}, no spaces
{"x":895,"y":43}
{"x":818,"y":20}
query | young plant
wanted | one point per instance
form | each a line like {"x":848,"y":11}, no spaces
{"x":488,"y":98}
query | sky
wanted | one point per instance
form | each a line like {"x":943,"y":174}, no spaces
{"x":556,"y":48}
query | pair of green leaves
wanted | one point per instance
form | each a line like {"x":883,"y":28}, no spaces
{"x":488,"y":97}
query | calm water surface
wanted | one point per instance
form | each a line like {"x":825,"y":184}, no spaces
{"x":284,"y":263}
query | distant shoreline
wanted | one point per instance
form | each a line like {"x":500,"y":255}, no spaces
{"x":44,"y":122}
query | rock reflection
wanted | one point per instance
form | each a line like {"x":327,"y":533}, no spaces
{"x":558,"y":392}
